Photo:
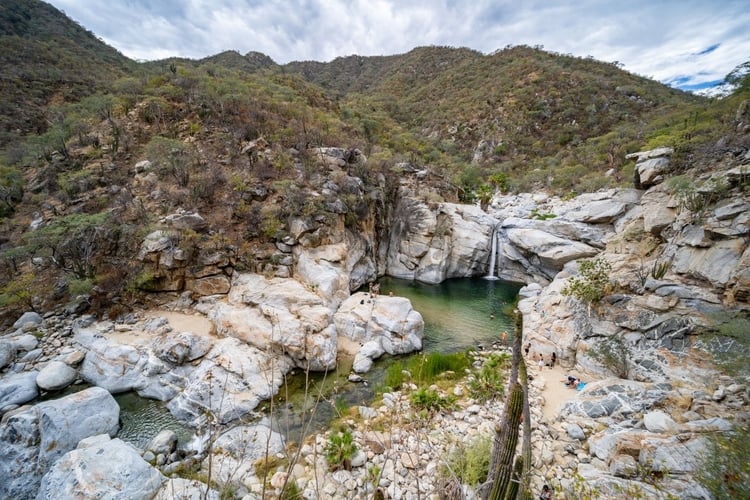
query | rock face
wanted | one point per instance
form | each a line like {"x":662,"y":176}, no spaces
{"x":33,"y":438}
{"x":279,"y":314}
{"x":431,"y":246}
{"x":679,"y":270}
{"x":375,"y":325}
{"x":172,"y":268}
{"x":104,"y":467}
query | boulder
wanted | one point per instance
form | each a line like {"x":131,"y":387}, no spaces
{"x":106,"y":468}
{"x":111,"y":365}
{"x":279,"y":315}
{"x":218,"y":284}
{"x":239,"y":449}
{"x":185,"y":489}
{"x":7,"y":353}
{"x":163,"y":443}
{"x":378,"y":324}
{"x":28,"y":317}
{"x":33,"y":438}
{"x":56,"y":375}
{"x":659,"y":422}
{"x":229,"y":383}
{"x":180,"y":348}
{"x":18,"y":388}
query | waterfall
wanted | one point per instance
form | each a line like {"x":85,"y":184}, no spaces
{"x":493,"y":254}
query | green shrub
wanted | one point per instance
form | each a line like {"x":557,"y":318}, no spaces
{"x":340,"y":449}
{"x":11,"y":189}
{"x":725,"y":468}
{"x":489,"y":382}
{"x":592,"y":282}
{"x":430,"y":400}
{"x":469,"y":462}
{"x":394,"y":376}
{"x":427,"y":368}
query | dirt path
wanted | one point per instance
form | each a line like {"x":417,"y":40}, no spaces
{"x":555,"y":393}
{"x":182,"y":322}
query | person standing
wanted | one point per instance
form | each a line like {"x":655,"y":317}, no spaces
{"x":527,"y":348}
{"x":541,"y":361}
{"x":504,"y":336}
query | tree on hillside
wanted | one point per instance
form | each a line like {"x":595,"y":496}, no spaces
{"x":73,"y":242}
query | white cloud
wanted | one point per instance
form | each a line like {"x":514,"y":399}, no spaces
{"x":658,"y":39}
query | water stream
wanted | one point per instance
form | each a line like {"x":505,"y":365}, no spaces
{"x":458,"y":314}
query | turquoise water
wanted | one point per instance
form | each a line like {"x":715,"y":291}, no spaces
{"x":458,"y":314}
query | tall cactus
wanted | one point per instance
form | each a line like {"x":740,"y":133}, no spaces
{"x":501,"y":471}
{"x":504,"y":446}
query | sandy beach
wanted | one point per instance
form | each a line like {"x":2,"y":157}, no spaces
{"x":555,"y":393}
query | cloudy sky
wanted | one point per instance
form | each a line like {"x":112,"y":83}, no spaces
{"x":689,"y":44}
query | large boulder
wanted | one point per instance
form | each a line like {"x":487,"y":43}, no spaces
{"x":18,"y":388}
{"x":103,"y":468}
{"x":56,"y":375}
{"x":33,"y":438}
{"x":281,"y":315}
{"x":229,"y":383}
{"x":137,"y":359}
{"x":236,"y":452}
{"x":28,"y":317}
{"x":374,"y":325}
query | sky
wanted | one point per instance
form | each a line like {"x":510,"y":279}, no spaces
{"x":689,"y":44}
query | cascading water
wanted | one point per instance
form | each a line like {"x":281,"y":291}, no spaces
{"x":494,"y":254}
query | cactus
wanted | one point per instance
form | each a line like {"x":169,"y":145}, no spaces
{"x":504,"y":448}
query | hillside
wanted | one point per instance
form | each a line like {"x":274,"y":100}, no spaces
{"x":46,"y":58}
{"x":234,"y":137}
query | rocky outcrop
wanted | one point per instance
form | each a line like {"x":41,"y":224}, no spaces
{"x":101,"y":467}
{"x":171,"y":264}
{"x":431,"y":246}
{"x":280,"y":315}
{"x":33,"y":438}
{"x":678,"y":274}
{"x":650,"y":166}
{"x":374,"y":325}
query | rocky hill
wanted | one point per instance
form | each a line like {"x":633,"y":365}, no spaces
{"x":262,"y":197}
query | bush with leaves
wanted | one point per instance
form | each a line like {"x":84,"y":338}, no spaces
{"x":340,"y":449}
{"x":430,"y":400}
{"x":592,"y":282}
{"x":725,"y":466}
{"x":489,"y":382}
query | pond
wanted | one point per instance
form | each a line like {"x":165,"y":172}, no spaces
{"x":458,"y":314}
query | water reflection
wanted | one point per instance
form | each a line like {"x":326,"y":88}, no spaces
{"x":458,"y":314}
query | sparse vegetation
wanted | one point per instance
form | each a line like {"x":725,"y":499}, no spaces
{"x":592,"y":282}
{"x":340,"y":449}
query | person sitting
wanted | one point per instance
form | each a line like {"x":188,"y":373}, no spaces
{"x":546,"y":493}
{"x":572,"y":381}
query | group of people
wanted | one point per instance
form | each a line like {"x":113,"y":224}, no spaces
{"x":541,"y":362}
